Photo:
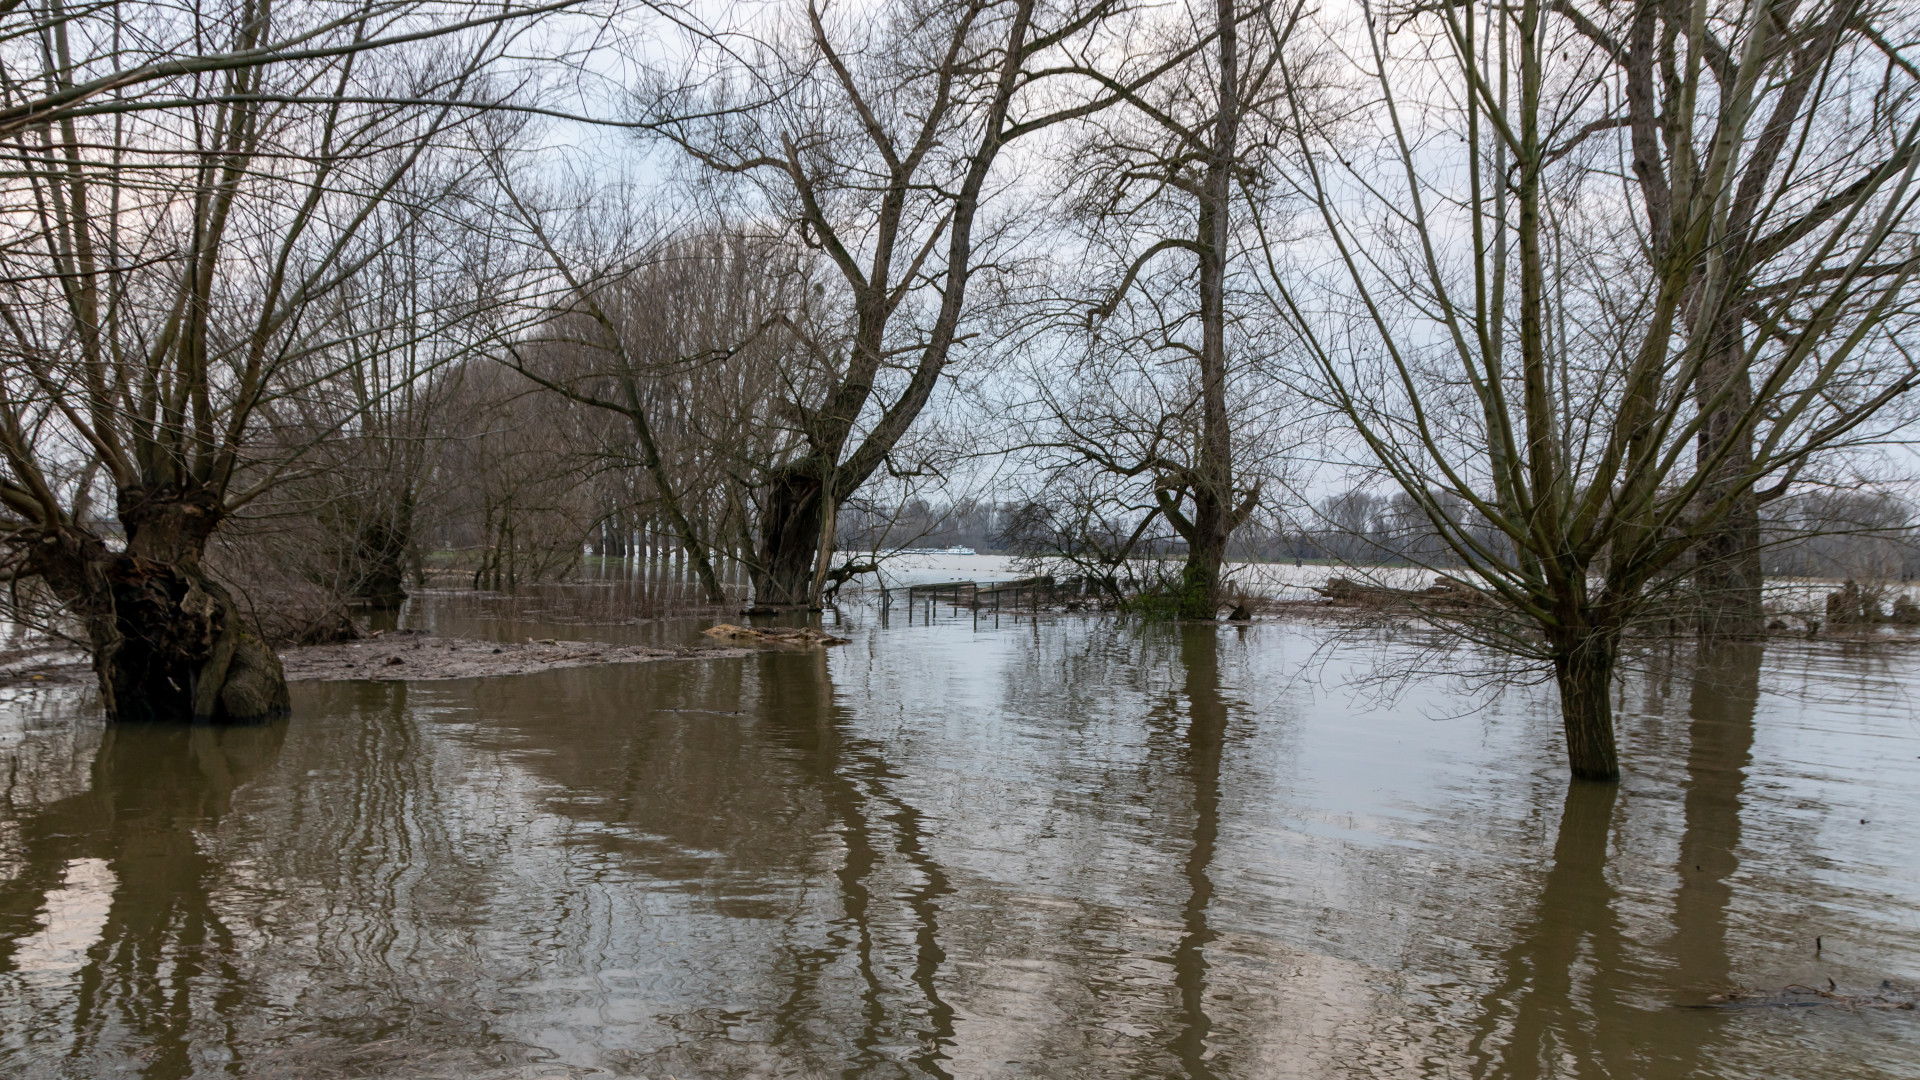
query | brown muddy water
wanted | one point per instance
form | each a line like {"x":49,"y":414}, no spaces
{"x":1077,"y":847}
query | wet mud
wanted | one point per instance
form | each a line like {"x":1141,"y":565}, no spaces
{"x":394,"y":656}
{"x":416,"y":657}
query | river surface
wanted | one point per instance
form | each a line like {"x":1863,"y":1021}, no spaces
{"x":1070,"y":847}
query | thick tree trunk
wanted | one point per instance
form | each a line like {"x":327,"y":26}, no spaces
{"x":1583,"y":669}
{"x":791,"y":521}
{"x":168,"y":643}
{"x":1727,"y":576}
{"x":1206,"y":551}
{"x":385,"y":552}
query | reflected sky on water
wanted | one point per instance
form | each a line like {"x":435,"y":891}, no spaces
{"x":1077,"y":847}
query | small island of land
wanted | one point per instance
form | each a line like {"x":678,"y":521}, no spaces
{"x":393,"y":656}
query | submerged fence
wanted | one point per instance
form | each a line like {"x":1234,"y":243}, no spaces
{"x":1030,"y":594}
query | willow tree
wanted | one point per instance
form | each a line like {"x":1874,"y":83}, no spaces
{"x":185,"y":220}
{"x":680,"y":338}
{"x":1789,"y":81}
{"x":1509,"y":329}
{"x":879,"y":142}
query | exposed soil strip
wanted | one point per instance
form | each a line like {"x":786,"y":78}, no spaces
{"x":778,"y":635}
{"x":397,"y":657}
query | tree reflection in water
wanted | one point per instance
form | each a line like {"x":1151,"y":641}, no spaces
{"x":1570,"y":977}
{"x":1543,"y":1013}
{"x":1726,"y":691}
{"x":163,"y":964}
{"x":1206,"y":740}
{"x":732,"y":808}
{"x":1120,"y":850}
{"x":854,"y":778}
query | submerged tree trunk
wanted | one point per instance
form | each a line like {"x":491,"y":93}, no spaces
{"x":791,"y":523}
{"x":1583,"y":669}
{"x":1206,"y":552}
{"x":168,"y":642}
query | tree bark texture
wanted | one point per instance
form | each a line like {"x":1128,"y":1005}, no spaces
{"x":168,"y":642}
{"x":384,"y":554}
{"x":791,"y":520}
{"x":1727,"y":574}
{"x":1583,"y":669}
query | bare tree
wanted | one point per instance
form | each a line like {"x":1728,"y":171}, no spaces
{"x":876,"y":140}
{"x":72,"y":63}
{"x":1492,"y":331}
{"x":1782,"y":80}
{"x":368,"y":417}
{"x":681,"y":339}
{"x":511,"y":491}
{"x":1083,"y":522}
{"x":172,"y":275}
{"x":1160,"y":180}
{"x":1863,"y":534}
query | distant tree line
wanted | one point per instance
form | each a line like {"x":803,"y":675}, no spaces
{"x":1870,"y":536}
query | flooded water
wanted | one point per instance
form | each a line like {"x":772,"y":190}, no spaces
{"x":1077,"y":847}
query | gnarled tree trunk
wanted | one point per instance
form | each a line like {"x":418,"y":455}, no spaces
{"x":1206,"y":552}
{"x":168,"y":643}
{"x":791,"y":520}
{"x":383,"y":554}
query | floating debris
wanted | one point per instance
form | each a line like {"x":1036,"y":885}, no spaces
{"x":1799,"y":996}
{"x":1446,"y":592}
{"x":780,"y":635}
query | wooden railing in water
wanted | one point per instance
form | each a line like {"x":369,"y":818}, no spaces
{"x":979,"y":596}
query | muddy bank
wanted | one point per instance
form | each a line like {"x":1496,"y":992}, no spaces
{"x":394,"y":656}
{"x":416,"y":657}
